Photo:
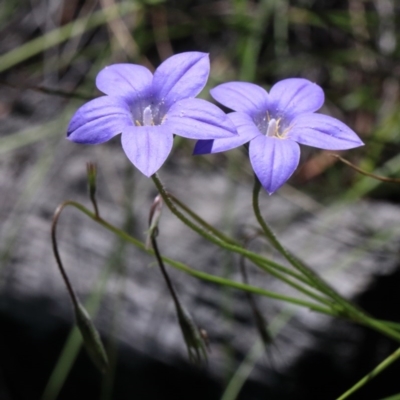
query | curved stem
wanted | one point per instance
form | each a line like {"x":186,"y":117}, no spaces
{"x":232,"y":241}
{"x":320,"y":284}
{"x":264,"y":263}
{"x":64,"y":275}
{"x":198,"y":274}
{"x":374,"y":323}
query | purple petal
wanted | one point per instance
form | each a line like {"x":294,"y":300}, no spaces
{"x":124,"y":80}
{"x":199,"y":119}
{"x":241,"y":96}
{"x":246,"y":131}
{"x":273,"y":160}
{"x":323,"y":132}
{"x":99,"y":120}
{"x":147,"y":147}
{"x":294,"y":96}
{"x":181,"y":76}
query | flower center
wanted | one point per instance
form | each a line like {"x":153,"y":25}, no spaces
{"x":148,"y":112}
{"x":272,"y":127}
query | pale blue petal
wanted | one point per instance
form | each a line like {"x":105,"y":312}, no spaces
{"x":273,"y":160}
{"x":246,"y":130}
{"x":147,"y":147}
{"x":181,"y":76}
{"x":99,"y":120}
{"x":241,"y":96}
{"x":199,"y":119}
{"x":130,"y":81}
{"x":323,"y":132}
{"x":293,"y":96}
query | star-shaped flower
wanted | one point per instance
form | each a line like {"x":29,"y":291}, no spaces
{"x":149,"y":109}
{"x":274,"y":123}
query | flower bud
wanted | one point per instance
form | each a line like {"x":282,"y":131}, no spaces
{"x":91,"y":177}
{"x":154,"y":218}
{"x":91,"y":338}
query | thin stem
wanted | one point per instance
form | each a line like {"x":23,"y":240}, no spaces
{"x":277,"y":245}
{"x":95,"y":207}
{"x":194,"y":343}
{"x":374,"y":323}
{"x":369,"y":174}
{"x":376,"y":371}
{"x":64,"y":275}
{"x":201,"y":221}
{"x":199,"y":274}
{"x":259,"y":319}
{"x":353,"y":311}
{"x":232,"y":241}
{"x":230,"y":247}
{"x":91,"y":174}
{"x":164,"y":272}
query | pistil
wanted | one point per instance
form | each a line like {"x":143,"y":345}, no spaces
{"x":148,"y":116}
{"x":272,"y":128}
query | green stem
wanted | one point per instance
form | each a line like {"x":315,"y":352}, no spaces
{"x":198,"y":274}
{"x":64,"y":275}
{"x":265,"y":264}
{"x":377,"y":324}
{"x":356,"y":314}
{"x":232,"y":241}
{"x":376,"y":371}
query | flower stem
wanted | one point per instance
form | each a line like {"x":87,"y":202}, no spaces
{"x":381,"y":326}
{"x":256,"y":260}
{"x":376,"y":371}
{"x":191,"y":334}
{"x":199,"y":274}
{"x":264,"y":263}
{"x":347,"y":308}
{"x":64,"y":275}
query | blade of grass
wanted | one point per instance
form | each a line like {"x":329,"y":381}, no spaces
{"x":60,"y":35}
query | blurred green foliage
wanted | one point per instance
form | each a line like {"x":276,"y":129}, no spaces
{"x":349,"y":47}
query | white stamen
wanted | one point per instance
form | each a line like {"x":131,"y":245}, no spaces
{"x":272,"y":127}
{"x":147,"y":116}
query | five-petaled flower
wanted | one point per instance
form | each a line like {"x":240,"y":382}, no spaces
{"x":149,"y":109}
{"x":274,"y":123}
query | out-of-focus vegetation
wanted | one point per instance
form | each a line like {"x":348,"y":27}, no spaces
{"x":349,"y":47}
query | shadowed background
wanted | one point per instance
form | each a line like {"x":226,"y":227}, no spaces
{"x":343,"y":224}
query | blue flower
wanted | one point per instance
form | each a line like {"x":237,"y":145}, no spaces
{"x":149,"y":109}
{"x":274,"y":123}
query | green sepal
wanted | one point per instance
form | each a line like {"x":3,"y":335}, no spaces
{"x":91,"y":338}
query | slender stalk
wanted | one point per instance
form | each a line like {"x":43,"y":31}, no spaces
{"x":373,"y":323}
{"x":164,"y":272}
{"x":201,"y":221}
{"x":64,"y":275}
{"x":264,"y":263}
{"x":191,"y":334}
{"x":369,"y":174}
{"x":376,"y":371}
{"x":232,"y":241}
{"x":347,"y":308}
{"x":261,"y":323}
{"x":199,"y":274}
